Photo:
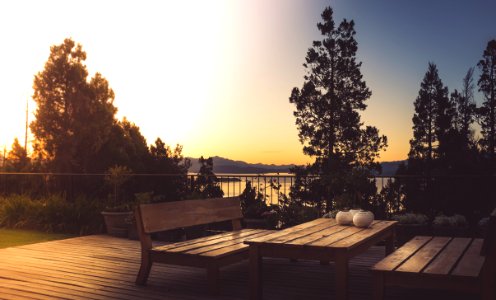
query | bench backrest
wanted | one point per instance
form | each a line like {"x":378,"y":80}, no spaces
{"x":157,"y":217}
{"x":489,"y":245}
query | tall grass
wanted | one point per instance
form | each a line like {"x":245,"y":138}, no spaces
{"x":53,"y":213}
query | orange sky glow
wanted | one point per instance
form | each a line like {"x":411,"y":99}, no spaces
{"x":213,"y":76}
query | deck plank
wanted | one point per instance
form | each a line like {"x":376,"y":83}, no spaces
{"x":103,"y":267}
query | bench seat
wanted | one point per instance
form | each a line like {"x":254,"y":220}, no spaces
{"x":433,"y":263}
{"x":210,"y":252}
{"x":212,"y":247}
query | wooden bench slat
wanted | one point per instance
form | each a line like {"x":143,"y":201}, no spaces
{"x":288,"y":231}
{"x":471,"y":263}
{"x":234,"y":236}
{"x":424,"y":256}
{"x":199,"y":240}
{"x":170,"y":215}
{"x":231,"y":249}
{"x":363,"y":235}
{"x":446,"y":260}
{"x":395,"y":259}
{"x":227,"y":243}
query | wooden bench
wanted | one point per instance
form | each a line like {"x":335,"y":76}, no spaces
{"x":444,"y":263}
{"x":211,"y":252}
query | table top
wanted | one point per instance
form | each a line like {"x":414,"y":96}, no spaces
{"x":324,"y":233}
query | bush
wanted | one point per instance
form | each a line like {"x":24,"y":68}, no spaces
{"x":453,"y":221}
{"x":410,"y":218}
{"x":51,"y":214}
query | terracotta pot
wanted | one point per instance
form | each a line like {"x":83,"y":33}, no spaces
{"x":116,"y":224}
{"x":363,"y":219}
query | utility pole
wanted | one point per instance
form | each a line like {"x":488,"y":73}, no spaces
{"x":26,"y":131}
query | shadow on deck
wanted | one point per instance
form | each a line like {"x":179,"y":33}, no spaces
{"x":103,"y":267}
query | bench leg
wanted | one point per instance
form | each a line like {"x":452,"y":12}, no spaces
{"x":144,"y":271}
{"x":341,"y":266}
{"x":377,"y":286}
{"x":390,"y":244}
{"x":213,"y":276}
{"x":255,"y":264}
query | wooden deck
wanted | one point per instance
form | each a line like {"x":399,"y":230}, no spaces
{"x":103,"y":267}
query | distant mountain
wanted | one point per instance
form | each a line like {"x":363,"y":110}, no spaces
{"x":229,"y":166}
{"x":225,"y":165}
{"x":389,"y":167}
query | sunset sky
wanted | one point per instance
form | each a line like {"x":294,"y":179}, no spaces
{"x":215,"y":76}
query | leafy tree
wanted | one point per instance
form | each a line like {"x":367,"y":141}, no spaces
{"x":487,"y":85}
{"x":327,"y":111}
{"x":206,"y":184}
{"x":433,"y":118}
{"x":17,"y":159}
{"x":74,"y":115}
{"x":164,"y":160}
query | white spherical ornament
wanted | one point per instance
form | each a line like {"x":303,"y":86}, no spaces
{"x":354,"y":211}
{"x":344,"y":218}
{"x":363,"y":219}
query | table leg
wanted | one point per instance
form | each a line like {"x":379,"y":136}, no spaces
{"x":255,"y":262}
{"x":341,"y":265}
{"x":390,"y":243}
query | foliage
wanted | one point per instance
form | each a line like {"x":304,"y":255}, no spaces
{"x":51,"y":214}
{"x":432,"y":119}
{"x":253,"y":203}
{"x":487,"y":85}
{"x":411,"y":218}
{"x":290,"y":213}
{"x":453,"y":221}
{"x":164,"y":160}
{"x":328,"y":119}
{"x":74,"y":115}
{"x":206,"y":183}
{"x":116,"y":177}
{"x":17,"y":159}
{"x":18,"y":237}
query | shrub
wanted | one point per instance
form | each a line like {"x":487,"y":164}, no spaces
{"x":411,"y":218}
{"x":52,"y":214}
{"x":453,"y":221}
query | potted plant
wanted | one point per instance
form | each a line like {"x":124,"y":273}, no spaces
{"x":410,"y":225}
{"x":255,"y":209}
{"x":455,"y":225}
{"x":117,"y":211}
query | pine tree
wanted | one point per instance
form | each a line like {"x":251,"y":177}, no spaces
{"x":487,"y":85}
{"x":433,"y":118}
{"x":328,"y":106}
{"x":465,"y":108}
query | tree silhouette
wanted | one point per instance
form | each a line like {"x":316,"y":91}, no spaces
{"x":466,"y":108}
{"x":206,"y":184}
{"x":74,"y":115}
{"x":17,"y":159}
{"x":433,"y":118}
{"x":487,"y":85}
{"x":327,"y":109}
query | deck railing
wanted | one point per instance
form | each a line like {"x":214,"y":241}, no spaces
{"x":270,"y":185}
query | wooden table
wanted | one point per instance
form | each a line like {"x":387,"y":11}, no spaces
{"x":320,"y":239}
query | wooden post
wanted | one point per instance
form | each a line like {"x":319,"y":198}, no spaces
{"x":341,"y":266}
{"x":378,"y":286}
{"x":390,"y":242}
{"x":213,"y":276}
{"x":255,"y":273}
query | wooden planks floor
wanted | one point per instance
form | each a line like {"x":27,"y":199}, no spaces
{"x":103,"y":267}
